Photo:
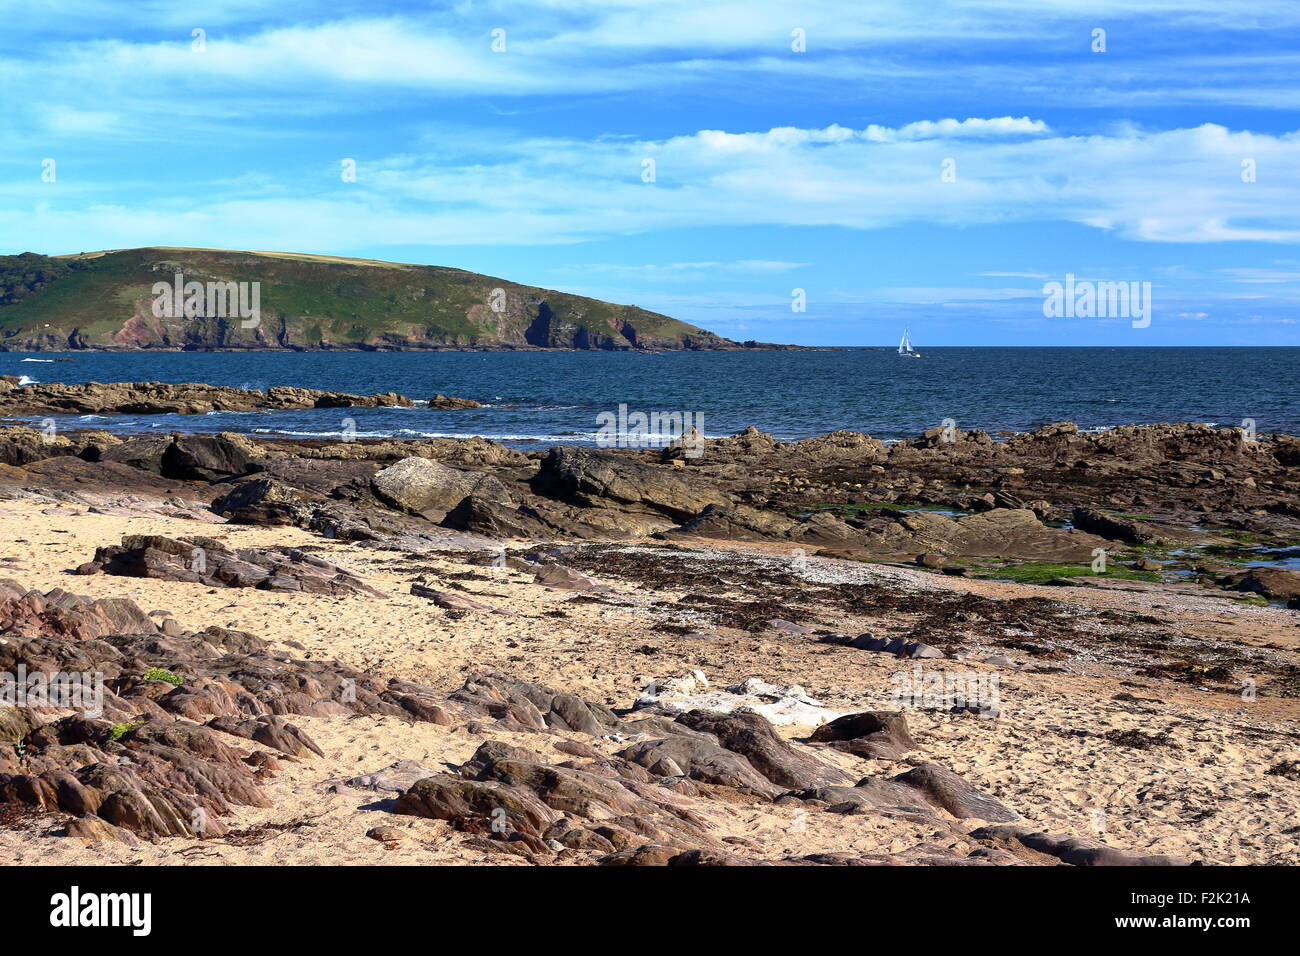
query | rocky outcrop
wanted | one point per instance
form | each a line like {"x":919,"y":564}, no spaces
{"x":1002,"y":532}
{"x":164,"y":398}
{"x":451,"y":402}
{"x":593,"y":479}
{"x":307,"y":302}
{"x":752,"y":736}
{"x":162,"y":749}
{"x":420,"y":485}
{"x":875,"y":735}
{"x":1076,"y":851}
{"x":942,"y":788}
{"x":199,"y":560}
{"x":509,"y":794}
{"x":261,"y":501}
{"x":1273,"y":583}
{"x":533,"y":706}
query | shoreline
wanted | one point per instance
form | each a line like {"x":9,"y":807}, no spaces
{"x":567,"y":615}
{"x":1218,"y":745}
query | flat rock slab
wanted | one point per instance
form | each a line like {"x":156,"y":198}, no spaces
{"x":1076,"y":851}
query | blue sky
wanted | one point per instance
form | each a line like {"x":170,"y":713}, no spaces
{"x":774,"y":169}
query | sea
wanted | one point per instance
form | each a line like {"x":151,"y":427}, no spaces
{"x":537,"y":399}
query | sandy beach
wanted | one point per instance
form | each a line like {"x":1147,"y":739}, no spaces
{"x":1202,"y":793}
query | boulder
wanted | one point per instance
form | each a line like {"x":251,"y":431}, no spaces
{"x":143,"y":453}
{"x":1076,"y":851}
{"x":452,"y":402}
{"x":207,"y":457}
{"x":593,"y":479}
{"x":753,"y":737}
{"x":877,"y":735}
{"x":567,"y":579}
{"x":419,"y":485}
{"x":1273,"y":583}
{"x":261,"y":501}
{"x":1113,"y":527}
{"x":942,"y":788}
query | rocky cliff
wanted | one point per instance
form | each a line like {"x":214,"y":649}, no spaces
{"x":111,"y":300}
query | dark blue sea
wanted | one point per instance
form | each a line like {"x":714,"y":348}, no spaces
{"x":534,"y":399}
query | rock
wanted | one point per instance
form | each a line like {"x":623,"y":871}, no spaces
{"x":1004,"y":532}
{"x":567,"y":579}
{"x":143,"y":453}
{"x":666,"y":767}
{"x":450,"y":599}
{"x":163,"y":398}
{"x":897,"y":646}
{"x":452,"y":402}
{"x":648,"y":854}
{"x":1112,"y":526}
{"x":395,"y":778}
{"x":418,"y":485}
{"x":513,"y":796}
{"x":200,"y":560}
{"x":206,"y":457}
{"x":95,"y":829}
{"x":942,"y":788}
{"x":158,"y":763}
{"x":593,"y":479}
{"x":386,"y":834}
{"x":931,"y":560}
{"x":876,"y":735}
{"x":534,"y":706}
{"x":752,"y":736}
{"x":261,"y":501}
{"x":1272,"y":583}
{"x":699,"y":759}
{"x":1075,"y":851}
{"x":738,"y":523}
{"x":692,"y":682}
{"x":917,"y":649}
{"x":790,"y":627}
{"x":476,"y":806}
{"x":537,"y":518}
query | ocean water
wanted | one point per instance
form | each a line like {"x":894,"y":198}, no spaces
{"x":534,"y":399}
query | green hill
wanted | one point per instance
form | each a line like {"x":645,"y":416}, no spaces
{"x":105,"y":300}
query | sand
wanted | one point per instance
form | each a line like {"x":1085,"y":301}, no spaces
{"x":1045,"y":756}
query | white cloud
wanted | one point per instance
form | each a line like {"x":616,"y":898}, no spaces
{"x":688,"y":270}
{"x":1179,"y":185}
{"x":292,"y":56}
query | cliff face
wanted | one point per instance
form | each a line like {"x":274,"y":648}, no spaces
{"x":111,"y":300}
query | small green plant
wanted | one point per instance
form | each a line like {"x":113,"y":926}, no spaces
{"x":1041,"y":572}
{"x":118,"y":731}
{"x":157,"y":673}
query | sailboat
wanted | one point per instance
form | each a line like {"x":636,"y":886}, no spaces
{"x":905,"y":347}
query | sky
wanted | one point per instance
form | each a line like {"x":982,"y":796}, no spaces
{"x":822,"y":173}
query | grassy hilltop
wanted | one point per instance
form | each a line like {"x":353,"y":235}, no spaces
{"x":103,"y":300}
